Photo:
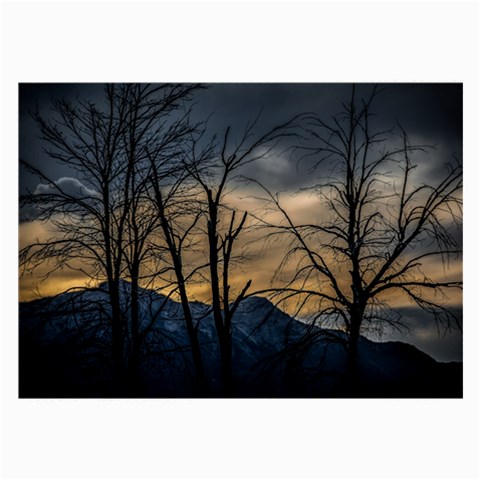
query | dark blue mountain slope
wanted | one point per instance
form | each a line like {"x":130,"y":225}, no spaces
{"x":65,"y":352}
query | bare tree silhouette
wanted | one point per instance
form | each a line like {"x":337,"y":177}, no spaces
{"x":214,"y":166}
{"x":377,"y":227}
{"x":149,"y":126}
{"x":177,"y":209}
{"x":98,"y":226}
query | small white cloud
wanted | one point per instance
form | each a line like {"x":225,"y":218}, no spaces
{"x":71,"y":186}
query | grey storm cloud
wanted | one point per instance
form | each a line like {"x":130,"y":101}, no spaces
{"x":429,"y":113}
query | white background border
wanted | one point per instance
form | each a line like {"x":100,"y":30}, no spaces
{"x":246,"y":41}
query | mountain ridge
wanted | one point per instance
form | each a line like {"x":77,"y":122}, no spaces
{"x":269,"y":346}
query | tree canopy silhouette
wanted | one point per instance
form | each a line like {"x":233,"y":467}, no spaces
{"x":99,"y":227}
{"x":377,"y":227}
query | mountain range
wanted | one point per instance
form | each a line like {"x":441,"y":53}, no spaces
{"x":65,"y":352}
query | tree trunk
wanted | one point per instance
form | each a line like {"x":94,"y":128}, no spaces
{"x":221,"y":320}
{"x":352,"y":352}
{"x":201,"y":379}
{"x":134,"y":360}
{"x":225,"y":343}
{"x":117,"y":339}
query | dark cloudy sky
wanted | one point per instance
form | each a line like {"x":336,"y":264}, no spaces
{"x":430,"y":113}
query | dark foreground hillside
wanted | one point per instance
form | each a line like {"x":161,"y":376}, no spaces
{"x":65,"y":353}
